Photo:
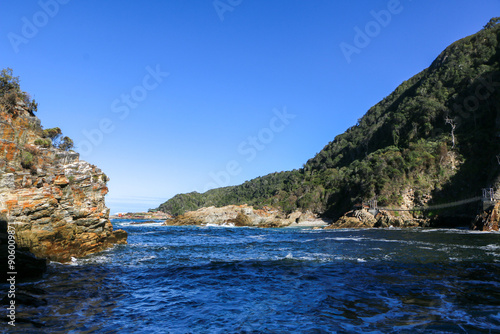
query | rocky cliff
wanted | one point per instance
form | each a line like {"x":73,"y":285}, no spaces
{"x":54,"y":200}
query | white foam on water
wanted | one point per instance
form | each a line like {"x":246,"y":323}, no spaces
{"x":310,"y":230}
{"x":259,"y":236}
{"x":457,"y":231}
{"x":307,"y":240}
{"x":491,"y":247}
{"x":389,"y":240}
{"x":346,"y":238}
{"x":343,"y":258}
{"x":101,"y":258}
{"x":73,"y":262}
{"x":140,"y":244}
{"x":219,"y":225}
{"x":148,"y":224}
{"x":151,"y":257}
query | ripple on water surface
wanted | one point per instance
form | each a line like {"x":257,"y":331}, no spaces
{"x":212,"y":279}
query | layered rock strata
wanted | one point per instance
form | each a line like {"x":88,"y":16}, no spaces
{"x":364,"y":219}
{"x":54,"y":200}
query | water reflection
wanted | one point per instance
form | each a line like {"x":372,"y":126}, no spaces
{"x":80,"y":299}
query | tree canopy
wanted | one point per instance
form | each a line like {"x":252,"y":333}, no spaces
{"x":403,"y":143}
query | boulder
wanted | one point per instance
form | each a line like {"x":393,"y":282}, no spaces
{"x":488,"y":220}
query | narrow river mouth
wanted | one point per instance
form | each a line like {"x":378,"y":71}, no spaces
{"x":221,"y":279}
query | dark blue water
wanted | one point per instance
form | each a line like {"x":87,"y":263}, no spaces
{"x":246,"y":280}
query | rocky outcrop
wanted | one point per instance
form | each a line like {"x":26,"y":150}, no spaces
{"x":240,"y":215}
{"x":488,"y":219}
{"x":405,"y":220}
{"x":354,"y":219}
{"x":364,"y":219}
{"x":54,"y":200}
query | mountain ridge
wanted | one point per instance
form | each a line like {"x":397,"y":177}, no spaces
{"x":435,"y":135}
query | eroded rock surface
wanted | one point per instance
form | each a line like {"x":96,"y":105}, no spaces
{"x":54,"y":200}
{"x":364,"y":219}
{"x":240,"y":215}
{"x":488,"y":220}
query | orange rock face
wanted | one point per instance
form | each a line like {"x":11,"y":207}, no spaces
{"x":488,"y":220}
{"x":54,"y":200}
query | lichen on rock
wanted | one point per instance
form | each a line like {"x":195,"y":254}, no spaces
{"x":55,"y":200}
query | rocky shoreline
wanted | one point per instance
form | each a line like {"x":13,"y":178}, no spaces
{"x":244,"y":215}
{"x":487,"y":220}
{"x":141,"y":215}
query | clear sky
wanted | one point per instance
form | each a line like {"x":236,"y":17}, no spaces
{"x":173,"y":96}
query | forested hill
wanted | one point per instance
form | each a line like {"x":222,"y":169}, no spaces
{"x":436,"y":138}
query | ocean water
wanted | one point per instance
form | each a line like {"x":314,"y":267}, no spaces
{"x":249,"y":280}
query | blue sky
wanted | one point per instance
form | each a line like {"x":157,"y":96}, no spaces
{"x":175,"y":96}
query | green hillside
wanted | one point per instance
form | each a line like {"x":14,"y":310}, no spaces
{"x":437,"y":134}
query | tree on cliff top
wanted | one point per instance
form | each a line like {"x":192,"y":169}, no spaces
{"x":8,"y":82}
{"x":66,"y":143}
{"x":10,"y":92}
{"x":57,"y":139}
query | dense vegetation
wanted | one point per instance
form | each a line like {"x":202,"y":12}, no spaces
{"x":10,"y":92}
{"x":437,"y":134}
{"x":10,"y":95}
